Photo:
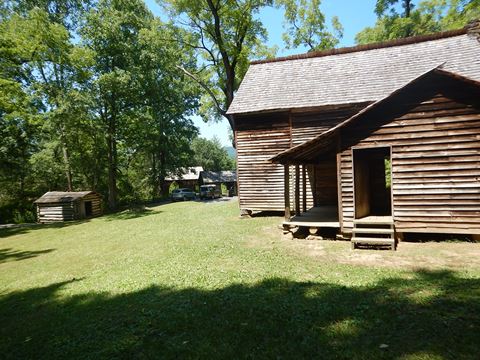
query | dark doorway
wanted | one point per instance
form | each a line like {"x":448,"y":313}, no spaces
{"x":88,"y":208}
{"x":372,"y":180}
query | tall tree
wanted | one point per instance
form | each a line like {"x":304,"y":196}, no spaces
{"x":162,"y":135}
{"x":45,"y":51}
{"x":97,"y":103}
{"x":226,"y":36}
{"x":140,"y":95}
{"x":306,"y":25}
{"x":111,"y":33}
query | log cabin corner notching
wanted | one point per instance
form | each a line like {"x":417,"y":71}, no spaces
{"x":317,"y":133}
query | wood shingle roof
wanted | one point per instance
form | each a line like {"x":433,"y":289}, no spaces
{"x":213,"y":177}
{"x":353,"y":75}
{"x":62,"y":196}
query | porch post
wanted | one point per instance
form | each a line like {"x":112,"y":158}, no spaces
{"x":304,"y":188}
{"x":314,"y":185}
{"x":286,"y":192}
{"x":297,"y":190}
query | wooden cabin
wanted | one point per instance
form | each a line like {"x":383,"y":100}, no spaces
{"x":374,"y":140}
{"x":226,"y":177}
{"x":55,"y":206}
{"x":185,"y":178}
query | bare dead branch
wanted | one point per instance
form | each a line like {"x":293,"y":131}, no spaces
{"x":204,"y":86}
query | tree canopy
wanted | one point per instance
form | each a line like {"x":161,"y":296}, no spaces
{"x":211,"y":155}
{"x":306,"y":26}
{"x":402,"y":18}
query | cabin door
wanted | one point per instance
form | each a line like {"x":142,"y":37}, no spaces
{"x":88,"y":208}
{"x":372,"y":182}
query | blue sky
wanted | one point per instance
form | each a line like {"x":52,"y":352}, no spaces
{"x":353,"y":14}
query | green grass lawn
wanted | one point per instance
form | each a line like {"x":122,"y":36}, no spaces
{"x":192,"y":280}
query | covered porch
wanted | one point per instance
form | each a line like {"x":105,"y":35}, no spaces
{"x":311,"y":195}
{"x":316,"y":217}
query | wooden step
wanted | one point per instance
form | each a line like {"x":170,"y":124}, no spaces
{"x":381,"y":220}
{"x":373,"y":241}
{"x":385,"y":231}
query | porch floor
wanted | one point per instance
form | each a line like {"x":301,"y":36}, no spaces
{"x":320,"y":216}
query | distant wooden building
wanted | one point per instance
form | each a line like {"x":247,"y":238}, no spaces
{"x":374,"y":139}
{"x":227,"y":177}
{"x":56,"y":206}
{"x":185,"y":178}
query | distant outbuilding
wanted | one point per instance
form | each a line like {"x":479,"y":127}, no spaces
{"x":227,"y":177}
{"x":185,"y":177}
{"x":55,"y":206}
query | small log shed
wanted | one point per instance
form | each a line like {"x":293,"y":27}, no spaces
{"x":56,"y":206}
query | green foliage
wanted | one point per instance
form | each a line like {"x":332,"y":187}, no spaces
{"x":388,"y":173}
{"x":306,"y":25}
{"x":91,"y":98}
{"x":459,"y":13}
{"x":211,"y":155}
{"x":173,"y":186}
{"x":224,"y":189}
{"x":227,"y":35}
{"x":142,"y":97}
{"x":427,"y":17}
{"x":384,"y":6}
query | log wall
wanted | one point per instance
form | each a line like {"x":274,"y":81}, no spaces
{"x":260,"y":183}
{"x":260,"y":137}
{"x":435,"y":163}
{"x":47,"y":213}
{"x":74,"y":210}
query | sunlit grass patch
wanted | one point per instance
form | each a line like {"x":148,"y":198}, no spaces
{"x":193,"y":280}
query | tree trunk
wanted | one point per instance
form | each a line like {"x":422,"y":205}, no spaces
{"x":112,"y":164}
{"x":154,"y":177}
{"x":408,"y":7}
{"x":161,"y":177}
{"x":229,"y":94}
{"x":66,"y":159}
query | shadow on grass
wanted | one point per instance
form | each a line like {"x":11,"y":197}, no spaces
{"x":16,"y":255}
{"x":276,"y":318}
{"x":132,"y":213}
{"x":26,"y":229}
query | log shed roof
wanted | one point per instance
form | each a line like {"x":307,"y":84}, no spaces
{"x":185,"y":174}
{"x":364,"y":73}
{"x":326,"y":142}
{"x":62,"y":196}
{"x":213,"y":177}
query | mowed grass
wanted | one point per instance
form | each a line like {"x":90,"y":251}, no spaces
{"x":192,"y":280}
